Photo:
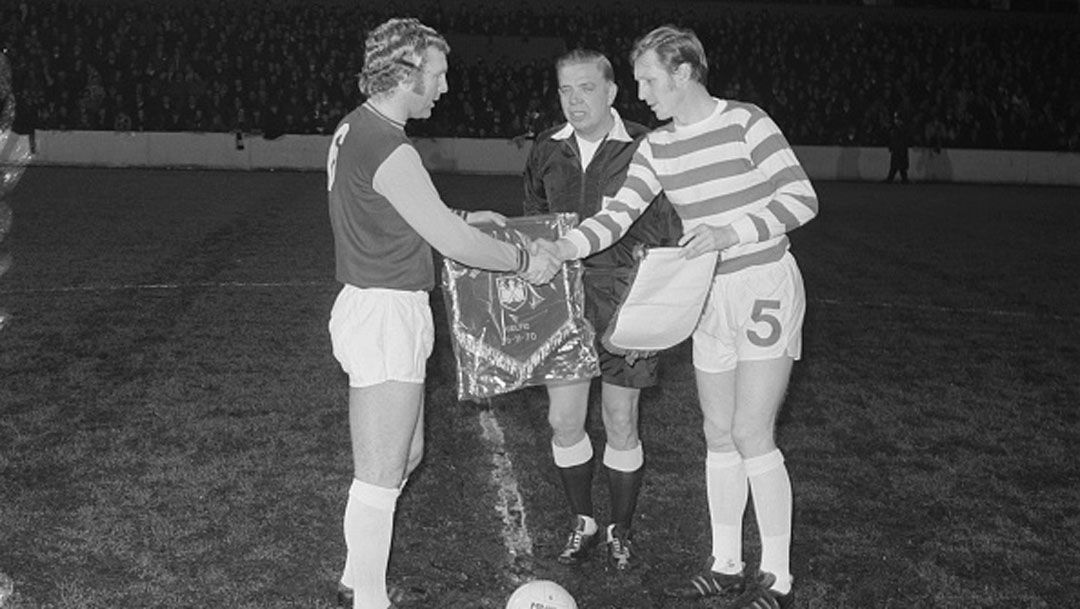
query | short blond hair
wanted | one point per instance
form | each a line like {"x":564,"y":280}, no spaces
{"x":674,"y":46}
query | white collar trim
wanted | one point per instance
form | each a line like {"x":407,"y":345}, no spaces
{"x":618,"y":130}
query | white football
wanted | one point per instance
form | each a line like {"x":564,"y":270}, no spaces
{"x":541,"y":594}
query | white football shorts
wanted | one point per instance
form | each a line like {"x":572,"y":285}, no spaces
{"x":382,"y":335}
{"x":752,"y":314}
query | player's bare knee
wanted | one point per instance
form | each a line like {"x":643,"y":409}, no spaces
{"x":567,"y":437}
{"x":752,"y":442}
{"x":717,"y":432}
{"x":720,"y":443}
{"x":566,"y":425}
{"x":620,"y":422}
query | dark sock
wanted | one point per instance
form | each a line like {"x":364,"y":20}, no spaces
{"x":625,"y":487}
{"x":577,"y":482}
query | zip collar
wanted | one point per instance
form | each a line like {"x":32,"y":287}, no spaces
{"x":618,"y":130}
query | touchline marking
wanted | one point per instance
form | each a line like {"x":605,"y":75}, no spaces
{"x":167,"y":286}
{"x":509,"y":504}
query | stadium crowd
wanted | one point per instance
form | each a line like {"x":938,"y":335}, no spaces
{"x":829,"y":77}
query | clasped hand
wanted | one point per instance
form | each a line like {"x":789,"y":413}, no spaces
{"x":544,"y":262}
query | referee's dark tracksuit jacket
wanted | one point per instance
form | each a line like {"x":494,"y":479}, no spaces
{"x":555,"y":183}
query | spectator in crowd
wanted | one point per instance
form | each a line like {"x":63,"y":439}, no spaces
{"x":898,"y":149}
{"x":816,"y":72}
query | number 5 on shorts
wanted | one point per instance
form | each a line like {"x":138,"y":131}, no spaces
{"x":761,"y":314}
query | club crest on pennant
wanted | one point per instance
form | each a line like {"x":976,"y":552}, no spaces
{"x":507,"y":333}
{"x":512,"y":292}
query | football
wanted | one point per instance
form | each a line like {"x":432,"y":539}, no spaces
{"x":541,"y":594}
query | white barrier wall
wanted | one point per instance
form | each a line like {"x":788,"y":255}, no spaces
{"x":927,"y":165}
{"x":308,"y":152}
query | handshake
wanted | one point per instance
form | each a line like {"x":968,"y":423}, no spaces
{"x":545,"y":261}
{"x":538,"y":261}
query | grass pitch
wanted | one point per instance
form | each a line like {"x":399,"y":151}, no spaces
{"x":173,"y":428}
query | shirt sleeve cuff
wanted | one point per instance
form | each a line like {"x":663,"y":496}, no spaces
{"x":745,"y":230}
{"x":579,"y":245}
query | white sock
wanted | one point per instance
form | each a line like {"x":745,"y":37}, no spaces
{"x":369,"y":527}
{"x":624,"y":460}
{"x":590,"y":524}
{"x":771,"y":489}
{"x":725,"y":483}
{"x":570,"y":456}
